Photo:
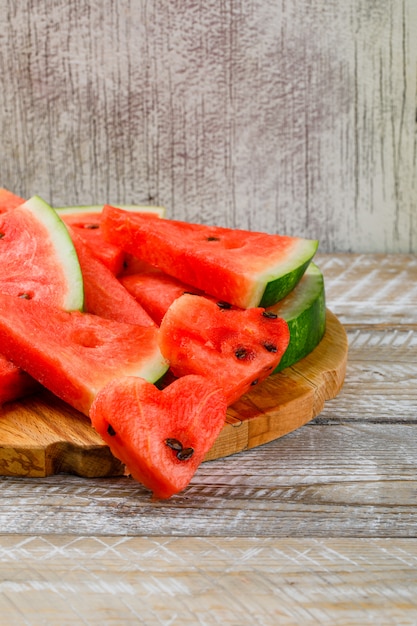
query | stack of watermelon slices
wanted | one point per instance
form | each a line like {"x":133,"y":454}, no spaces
{"x":150,"y":326}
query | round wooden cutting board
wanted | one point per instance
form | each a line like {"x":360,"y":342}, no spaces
{"x":41,"y":435}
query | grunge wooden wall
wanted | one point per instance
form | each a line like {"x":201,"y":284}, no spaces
{"x":296,"y":117}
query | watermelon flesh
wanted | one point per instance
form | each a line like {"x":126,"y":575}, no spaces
{"x":9,"y":200}
{"x":75,"y":354}
{"x":161,"y":436}
{"x":235,"y":349}
{"x":87,"y":224}
{"x":155,"y":291}
{"x":38,"y":261}
{"x":37,"y":257}
{"x":244,"y":268}
{"x":14,"y":382}
{"x":103,"y":293}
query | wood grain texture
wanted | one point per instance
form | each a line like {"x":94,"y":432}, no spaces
{"x":297,"y":119}
{"x":126,"y":580}
{"x":372,"y":289}
{"x":347,"y":480}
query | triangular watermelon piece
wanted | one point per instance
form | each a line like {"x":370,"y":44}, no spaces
{"x":38,"y":261}
{"x":234,"y":348}
{"x":37,"y":257}
{"x":9,"y":200}
{"x":14,"y":382}
{"x":76,"y":354}
{"x":104,"y":295}
{"x":85,"y":221}
{"x":241,"y":267}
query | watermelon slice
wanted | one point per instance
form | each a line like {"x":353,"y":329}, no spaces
{"x":14,"y":382}
{"x":241,"y":267}
{"x":38,"y":261}
{"x":103,"y":293}
{"x":155,"y":291}
{"x":304,"y":310}
{"x":85,"y":221}
{"x":75,"y":354}
{"x":234,"y":348}
{"x":37,"y":256}
{"x":9,"y":200}
{"x":161,"y":436}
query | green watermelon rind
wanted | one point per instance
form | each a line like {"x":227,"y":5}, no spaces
{"x":304,"y":310}
{"x":288,"y":273}
{"x":97,"y":208}
{"x":65,"y":252}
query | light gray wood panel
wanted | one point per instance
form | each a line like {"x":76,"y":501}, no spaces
{"x":350,"y":480}
{"x":371,"y":289}
{"x":268,"y":115}
{"x":381,"y":379}
{"x":125,"y":580}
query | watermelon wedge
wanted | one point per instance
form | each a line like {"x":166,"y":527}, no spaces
{"x":244,"y":268}
{"x":103,"y":293}
{"x":38,"y":261}
{"x":85,"y":221}
{"x":75,"y":354}
{"x":9,"y":200}
{"x":160,"y":436}
{"x":304,"y":310}
{"x":37,"y":256}
{"x":155,"y":291}
{"x":233,"y":348}
{"x":14,"y":382}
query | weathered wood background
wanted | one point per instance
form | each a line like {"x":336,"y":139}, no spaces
{"x":296,"y":117}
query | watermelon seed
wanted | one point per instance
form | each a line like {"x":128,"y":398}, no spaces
{"x":174,"y":444}
{"x":91,"y":226}
{"x":185,"y":454}
{"x":254,"y":382}
{"x":212,"y":238}
{"x":270,"y":347}
{"x":2,"y":235}
{"x":269,"y":315}
{"x":241,"y":353}
{"x":110,"y":430}
{"x":24,"y":296}
{"x":223,"y":305}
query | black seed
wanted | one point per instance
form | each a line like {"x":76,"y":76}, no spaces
{"x":2,"y":235}
{"x":110,"y":430}
{"x":91,"y":226}
{"x":212,"y":238}
{"x":270,"y":347}
{"x":174,"y":444}
{"x":254,"y":382}
{"x":270,"y":315}
{"x":241,"y":353}
{"x":223,"y":305}
{"x":24,"y":296}
{"x":185,"y":454}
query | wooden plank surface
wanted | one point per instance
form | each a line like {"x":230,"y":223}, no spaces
{"x":262,"y":114}
{"x":127,"y":580}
